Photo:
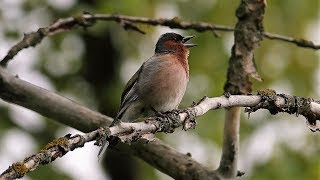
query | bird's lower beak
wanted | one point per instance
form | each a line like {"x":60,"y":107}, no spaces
{"x":187,"y":38}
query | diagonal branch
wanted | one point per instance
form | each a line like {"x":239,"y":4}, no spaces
{"x":129,"y":22}
{"x":187,"y":168}
{"x":65,"y":111}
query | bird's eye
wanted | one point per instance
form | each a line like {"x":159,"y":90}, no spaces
{"x":176,"y":39}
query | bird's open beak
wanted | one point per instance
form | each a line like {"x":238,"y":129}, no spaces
{"x":187,"y":38}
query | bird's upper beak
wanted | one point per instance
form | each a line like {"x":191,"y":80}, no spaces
{"x":187,"y":38}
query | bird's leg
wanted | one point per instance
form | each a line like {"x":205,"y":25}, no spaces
{"x":149,"y":137}
{"x":115,"y":122}
{"x":190,"y":121}
{"x":157,"y":113}
{"x":105,"y":140}
{"x":168,"y":121}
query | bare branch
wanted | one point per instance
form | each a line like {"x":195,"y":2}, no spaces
{"x":16,"y":91}
{"x":298,"y":42}
{"x":178,"y":167}
{"x":128,"y":22}
{"x":242,"y":65}
{"x":65,"y":111}
{"x":57,"y":148}
{"x":53,"y":150}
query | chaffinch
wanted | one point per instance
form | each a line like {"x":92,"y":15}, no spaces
{"x":160,"y":83}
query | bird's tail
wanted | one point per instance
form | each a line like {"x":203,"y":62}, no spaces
{"x":105,"y":141}
{"x":103,"y":148}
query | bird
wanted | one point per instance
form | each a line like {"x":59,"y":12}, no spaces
{"x":160,"y":83}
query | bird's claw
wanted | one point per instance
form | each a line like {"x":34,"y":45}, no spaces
{"x":103,"y":134}
{"x":190,"y":121}
{"x":158,"y":113}
{"x":168,"y":121}
{"x":102,"y":140}
{"x":149,"y":137}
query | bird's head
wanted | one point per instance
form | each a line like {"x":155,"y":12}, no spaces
{"x":173,"y":43}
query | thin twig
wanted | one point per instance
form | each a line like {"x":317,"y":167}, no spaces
{"x":128,"y":22}
{"x":298,"y":42}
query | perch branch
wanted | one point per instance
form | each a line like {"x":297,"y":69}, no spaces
{"x":266,"y":99}
{"x":16,"y":91}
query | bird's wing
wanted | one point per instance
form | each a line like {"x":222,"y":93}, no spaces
{"x":129,"y":93}
{"x":128,"y":96}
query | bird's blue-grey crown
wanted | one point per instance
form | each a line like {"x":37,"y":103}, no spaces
{"x":173,"y":37}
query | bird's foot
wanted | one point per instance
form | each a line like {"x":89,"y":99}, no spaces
{"x":115,"y":122}
{"x":102,"y":140}
{"x":190,"y":120}
{"x":168,"y":121}
{"x":149,"y":137}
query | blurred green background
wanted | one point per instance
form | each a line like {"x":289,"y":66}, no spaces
{"x":91,"y":66}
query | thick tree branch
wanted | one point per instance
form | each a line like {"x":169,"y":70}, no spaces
{"x":129,"y":22}
{"x":177,"y":166}
{"x":65,"y":111}
{"x":248,"y":34}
